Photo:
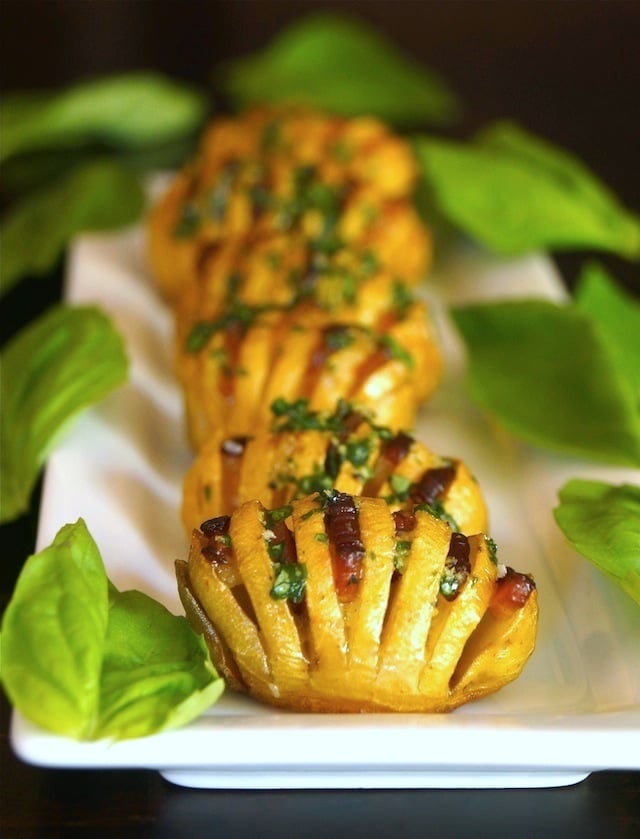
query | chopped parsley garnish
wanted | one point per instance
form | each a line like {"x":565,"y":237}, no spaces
{"x":396,"y":351}
{"x":188,"y":222}
{"x":219,"y":195}
{"x":358,"y":451}
{"x":400,"y":486}
{"x":492,"y":548}
{"x":401,"y":298}
{"x":275,"y":549}
{"x":451,"y":581}
{"x":400,"y":554}
{"x":237,"y":314}
{"x":290,"y":582}
{"x":369,"y":263}
{"x":318,"y":481}
{"x":437,"y":511}
{"x":297,"y":416}
{"x":278,"y":514}
{"x":338,"y":338}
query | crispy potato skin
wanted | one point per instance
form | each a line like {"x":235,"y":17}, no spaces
{"x":395,"y":645}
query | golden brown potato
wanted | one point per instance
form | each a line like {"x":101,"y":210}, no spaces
{"x":305,"y":451}
{"x":231,"y":369}
{"x":336,"y":603}
{"x":336,"y":184}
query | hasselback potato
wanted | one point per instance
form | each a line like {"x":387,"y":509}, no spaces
{"x":335,"y":603}
{"x":302,"y":451}
{"x":340,"y":190}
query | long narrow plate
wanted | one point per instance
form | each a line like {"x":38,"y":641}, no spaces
{"x":576,"y":707}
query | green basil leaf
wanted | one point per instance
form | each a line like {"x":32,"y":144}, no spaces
{"x":102,"y":195}
{"x":85,"y":660}
{"x":545,"y":372}
{"x":32,"y":170}
{"x":341,"y":65}
{"x":514,"y":193}
{"x":156,"y":671}
{"x":66,"y":360}
{"x":129,"y":110}
{"x":602,"y":522}
{"x":53,"y":633}
{"x":617,"y":316}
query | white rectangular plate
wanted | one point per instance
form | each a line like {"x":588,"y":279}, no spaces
{"x":576,"y":707}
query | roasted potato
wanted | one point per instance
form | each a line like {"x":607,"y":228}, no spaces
{"x":233,"y":368}
{"x":339,"y":186}
{"x":336,"y":603}
{"x":305,"y":451}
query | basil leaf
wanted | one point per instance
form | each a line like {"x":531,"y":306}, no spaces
{"x":53,"y":633}
{"x":514,"y":193}
{"x":545,"y":372}
{"x":156,"y":671}
{"x":85,"y":660}
{"x":129,"y":110}
{"x":617,"y":316}
{"x":101,"y":195}
{"x":602,"y":522}
{"x":31,"y":170}
{"x":341,"y":65}
{"x":66,"y":360}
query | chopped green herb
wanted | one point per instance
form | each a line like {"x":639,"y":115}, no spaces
{"x":278,"y":514}
{"x":451,"y":581}
{"x":188,"y":222}
{"x":400,"y":554}
{"x":220,"y":194}
{"x":492,"y":548}
{"x":358,"y":451}
{"x":318,"y":481}
{"x":369,"y":263}
{"x":400,"y":485}
{"x":333,"y":461}
{"x":338,"y":338}
{"x":237,"y":314}
{"x":402,"y":298}
{"x":322,"y":537}
{"x":275,"y":549}
{"x":396,"y":351}
{"x":290,"y":582}
{"x":437,"y":511}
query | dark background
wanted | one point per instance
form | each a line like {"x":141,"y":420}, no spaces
{"x":568,"y":71}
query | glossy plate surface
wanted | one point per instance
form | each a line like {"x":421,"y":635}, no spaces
{"x":575,"y":708}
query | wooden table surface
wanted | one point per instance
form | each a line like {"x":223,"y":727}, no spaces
{"x":569,"y":71}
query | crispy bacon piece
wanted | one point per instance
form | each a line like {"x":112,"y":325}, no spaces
{"x":342,"y":524}
{"x":432,"y":485}
{"x":217,"y":547}
{"x":512,"y":592}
